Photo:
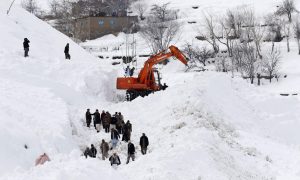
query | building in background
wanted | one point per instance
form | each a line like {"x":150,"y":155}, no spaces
{"x":88,"y":28}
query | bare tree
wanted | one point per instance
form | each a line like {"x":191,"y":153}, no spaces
{"x":237,"y":56}
{"x":197,"y":56}
{"x":253,"y":30}
{"x":141,"y":8}
{"x":258,"y":33}
{"x":118,"y":7}
{"x":249,"y":59}
{"x":202,"y":55}
{"x":189,"y":51}
{"x":287,"y":8}
{"x":55,"y":8}
{"x":271,"y":63}
{"x":30,"y":5}
{"x":160,"y":28}
{"x":65,"y":20}
{"x":286,"y":27}
{"x":297,"y":33}
{"x":223,"y":63}
{"x":274,"y":29}
{"x":210,"y":36}
{"x":229,"y":31}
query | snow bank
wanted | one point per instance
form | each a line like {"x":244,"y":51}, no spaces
{"x":38,"y":93}
{"x":204,"y":126}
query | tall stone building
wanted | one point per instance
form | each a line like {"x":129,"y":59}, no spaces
{"x":94,"y":27}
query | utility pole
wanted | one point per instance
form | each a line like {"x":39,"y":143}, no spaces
{"x":10,"y":6}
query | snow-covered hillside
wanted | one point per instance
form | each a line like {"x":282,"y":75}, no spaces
{"x":205,"y":126}
{"x":38,"y":93}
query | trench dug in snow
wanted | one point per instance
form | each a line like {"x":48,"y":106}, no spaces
{"x":204,"y":126}
{"x":201,"y":127}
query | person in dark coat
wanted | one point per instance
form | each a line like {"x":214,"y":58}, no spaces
{"x":127,"y":71}
{"x":114,"y":120}
{"x":88,"y":117}
{"x":106,"y":121}
{"x":130,"y":152}
{"x":127,"y":131}
{"x":144,"y":143}
{"x":104,"y":149}
{"x":102,"y":115}
{"x":114,"y":159}
{"x":132,"y":71}
{"x":97,"y":120}
{"x":120,"y":123}
{"x":87,"y":152}
{"x":114,"y":137}
{"x":66,"y":51}
{"x":26,"y":47}
{"x":93,"y":151}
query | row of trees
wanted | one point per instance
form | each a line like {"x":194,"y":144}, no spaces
{"x":31,"y":6}
{"x":66,"y":11}
{"x":81,"y":8}
{"x":243,"y":34}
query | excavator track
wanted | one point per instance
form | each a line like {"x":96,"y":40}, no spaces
{"x":132,"y":94}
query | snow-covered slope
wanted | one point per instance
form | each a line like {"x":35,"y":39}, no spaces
{"x":38,"y":93}
{"x":205,"y":126}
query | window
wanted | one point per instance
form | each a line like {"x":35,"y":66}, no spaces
{"x":101,"y":23}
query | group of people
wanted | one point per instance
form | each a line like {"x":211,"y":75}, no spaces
{"x":129,"y":71}
{"x":116,"y":125}
{"x":111,"y":123}
{"x":26,"y":49}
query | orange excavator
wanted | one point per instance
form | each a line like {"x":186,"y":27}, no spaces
{"x":146,"y":83}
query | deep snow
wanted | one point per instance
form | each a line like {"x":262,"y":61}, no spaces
{"x":204,"y":126}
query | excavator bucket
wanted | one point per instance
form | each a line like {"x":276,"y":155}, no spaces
{"x":178,"y":54}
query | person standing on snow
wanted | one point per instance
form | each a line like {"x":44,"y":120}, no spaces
{"x":132,"y":71}
{"x":120,"y":122}
{"x":88,"y":117}
{"x":130,"y":152}
{"x":114,"y":137}
{"x":104,"y":149}
{"x":26,"y":47}
{"x":114,"y":160}
{"x":127,"y":71}
{"x":97,"y":120}
{"x":106,"y":121}
{"x":144,"y":143}
{"x":102,"y":115}
{"x":66,"y":51}
{"x":113,"y":121}
{"x":127,"y":131}
{"x":93,"y":151}
{"x":87,"y":152}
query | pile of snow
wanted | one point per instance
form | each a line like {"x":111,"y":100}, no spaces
{"x":38,"y":93}
{"x":204,"y":126}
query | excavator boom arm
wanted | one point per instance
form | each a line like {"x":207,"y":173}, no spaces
{"x":174,"y":51}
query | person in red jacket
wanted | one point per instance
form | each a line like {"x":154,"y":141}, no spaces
{"x":42,"y":159}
